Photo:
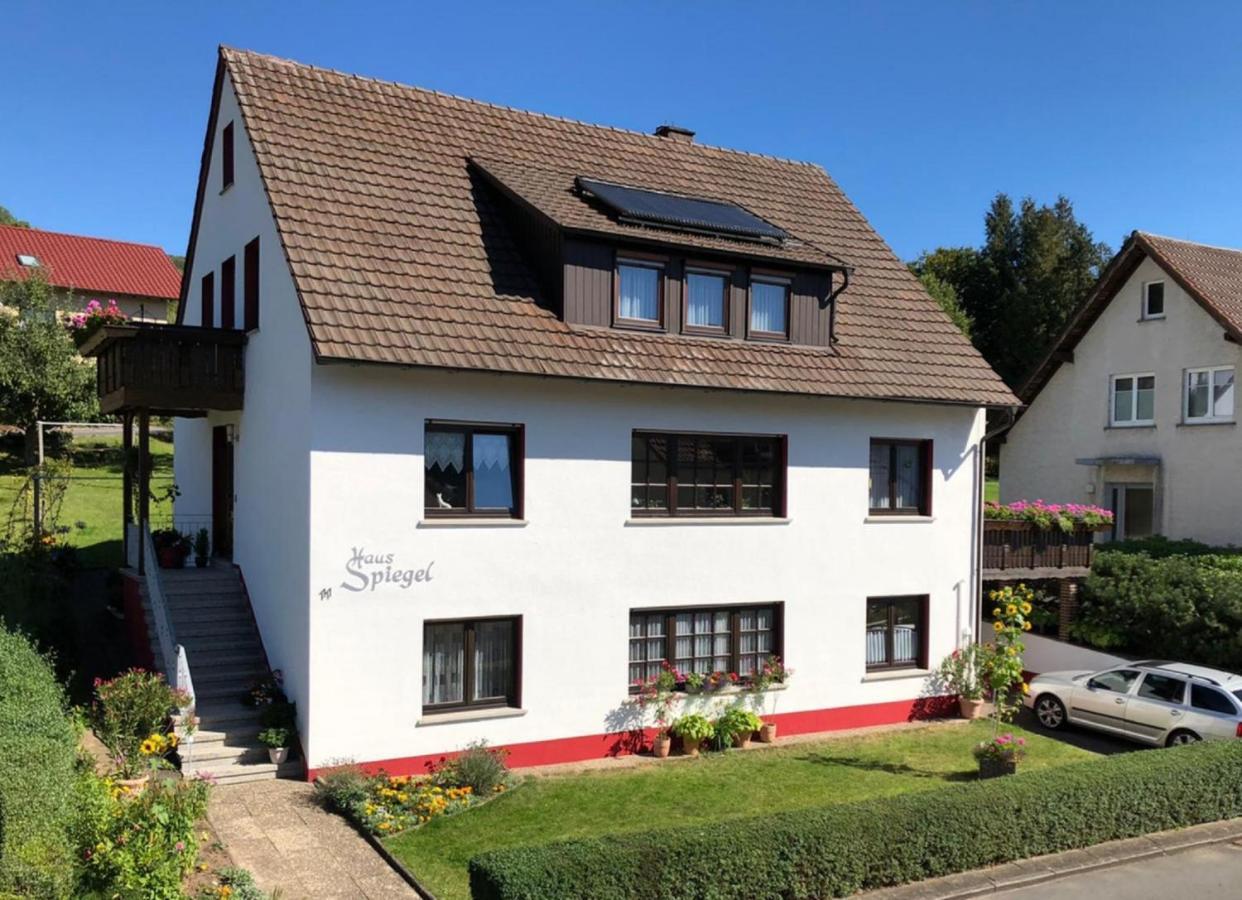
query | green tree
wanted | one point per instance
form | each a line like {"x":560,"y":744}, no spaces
{"x":7,"y":218}
{"x":946,"y":296}
{"x":42,"y":377}
{"x":1019,"y":288}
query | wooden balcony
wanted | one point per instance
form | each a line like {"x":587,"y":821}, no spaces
{"x":1022,"y":551}
{"x":167,"y":370}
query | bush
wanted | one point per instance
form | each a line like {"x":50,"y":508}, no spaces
{"x":839,"y":850}
{"x":38,"y":755}
{"x":737,"y":721}
{"x":478,"y":767}
{"x":240,"y":884}
{"x":129,"y":709}
{"x":343,"y":788}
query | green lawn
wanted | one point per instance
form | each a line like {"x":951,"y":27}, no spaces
{"x":991,"y":490}
{"x":92,"y":495}
{"x":717,"y":786}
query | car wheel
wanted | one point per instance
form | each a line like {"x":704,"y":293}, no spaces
{"x":1050,"y":712}
{"x":1178,"y":738}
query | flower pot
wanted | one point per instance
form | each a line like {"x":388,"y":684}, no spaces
{"x":970,"y":709}
{"x":169,"y":558}
{"x":767,"y":733}
{"x":741,"y":740}
{"x":994,"y":768}
{"x":661,"y":746}
{"x":278,"y":755}
{"x":132,"y":786}
{"x":689,"y":747}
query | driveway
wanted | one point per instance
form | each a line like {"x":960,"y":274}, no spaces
{"x":1083,"y":738}
{"x":1207,"y":873}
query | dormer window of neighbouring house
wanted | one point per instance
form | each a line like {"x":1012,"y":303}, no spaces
{"x":707,"y":307}
{"x":1153,"y":300}
{"x":640,"y":293}
{"x":769,"y":308}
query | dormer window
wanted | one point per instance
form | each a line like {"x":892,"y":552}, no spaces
{"x":769,"y":308}
{"x":707,"y":308}
{"x":30,"y":262}
{"x":640,"y":293}
{"x":1153,"y":300}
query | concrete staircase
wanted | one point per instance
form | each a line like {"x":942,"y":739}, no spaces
{"x":212,"y":619}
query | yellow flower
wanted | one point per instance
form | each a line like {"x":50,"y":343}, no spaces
{"x":996,"y":613}
{"x":998,"y":627}
{"x":1026,"y":626}
{"x":1026,"y":688}
{"x":1011,"y":610}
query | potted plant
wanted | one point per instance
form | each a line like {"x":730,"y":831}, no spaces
{"x":202,"y":547}
{"x":772,"y":672}
{"x":1000,"y":755}
{"x":659,"y":693}
{"x":962,"y":674}
{"x":738,"y":725}
{"x":171,"y":548}
{"x":277,"y":740}
{"x":693,"y":729}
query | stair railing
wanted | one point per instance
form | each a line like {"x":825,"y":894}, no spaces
{"x":172,"y":655}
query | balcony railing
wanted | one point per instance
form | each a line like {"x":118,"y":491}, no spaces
{"x":1023,"y":548}
{"x":168,"y":369}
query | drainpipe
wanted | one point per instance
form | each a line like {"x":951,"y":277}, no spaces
{"x":832,"y":305}
{"x":981,"y":480}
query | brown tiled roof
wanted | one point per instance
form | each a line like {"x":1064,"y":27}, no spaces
{"x":398,"y":258}
{"x":1210,"y":275}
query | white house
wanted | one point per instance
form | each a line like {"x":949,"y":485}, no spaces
{"x":532,"y":406}
{"x":1134,"y":408}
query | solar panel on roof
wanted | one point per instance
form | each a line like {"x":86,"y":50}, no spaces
{"x":685,"y":213}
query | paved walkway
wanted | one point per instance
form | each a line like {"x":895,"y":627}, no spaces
{"x":277,"y":831}
{"x":1206,"y":873}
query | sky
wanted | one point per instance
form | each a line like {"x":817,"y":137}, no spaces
{"x":921,"y":111}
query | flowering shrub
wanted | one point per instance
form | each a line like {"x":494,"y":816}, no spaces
{"x":1066,"y":516}
{"x":479,"y":767}
{"x":773,"y":671}
{"x":963,"y":671}
{"x":397,"y":803}
{"x":82,"y":325}
{"x":1002,"y":748}
{"x":131,"y":712}
{"x":658,"y":693}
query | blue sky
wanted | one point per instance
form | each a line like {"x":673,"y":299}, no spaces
{"x":921,"y":111}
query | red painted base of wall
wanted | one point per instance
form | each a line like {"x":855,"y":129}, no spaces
{"x":596,"y":746}
{"x":136,"y":622}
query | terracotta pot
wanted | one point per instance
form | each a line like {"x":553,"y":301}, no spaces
{"x":133,"y":785}
{"x":767,"y":733}
{"x":689,"y":747}
{"x":970,"y":709}
{"x":741,"y":740}
{"x":278,"y":755}
{"x":661,"y":745}
{"x":995,"y":768}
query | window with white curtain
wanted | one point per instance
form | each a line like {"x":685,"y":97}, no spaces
{"x":1209,"y":395}
{"x":706,"y":300}
{"x":640,"y":294}
{"x":470,"y":663}
{"x":472,"y":470}
{"x":769,"y":307}
{"x":725,"y":639}
{"x":900,"y":476}
{"x":895,"y":632}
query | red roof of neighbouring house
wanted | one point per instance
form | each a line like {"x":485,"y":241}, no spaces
{"x":95,"y":265}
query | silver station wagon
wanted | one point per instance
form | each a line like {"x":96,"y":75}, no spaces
{"x":1153,"y":701}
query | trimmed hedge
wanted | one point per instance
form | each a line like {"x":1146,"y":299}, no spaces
{"x":38,"y":753}
{"x":839,"y":850}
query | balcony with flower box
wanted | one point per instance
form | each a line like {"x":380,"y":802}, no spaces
{"x":1033,"y":541}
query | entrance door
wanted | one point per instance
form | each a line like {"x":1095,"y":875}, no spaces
{"x":221,"y":492}
{"x":1134,"y":510}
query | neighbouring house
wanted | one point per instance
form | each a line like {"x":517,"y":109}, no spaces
{"x":139,"y":277}
{"x":1133,"y":409}
{"x":497,"y":412}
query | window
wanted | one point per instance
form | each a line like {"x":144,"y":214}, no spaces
{"x":1153,"y":300}
{"x":896,"y":633}
{"x":1118,"y":681}
{"x":707,"y":295}
{"x":1209,"y":395}
{"x":1162,"y":688}
{"x":640,"y":293}
{"x":1210,"y":699}
{"x":1133,"y":400}
{"x":900,"y":477}
{"x":769,"y":308}
{"x":474,"y":663}
{"x":226,"y":156}
{"x":30,"y":262}
{"x":207,"y":301}
{"x":250,"y":285}
{"x":228,"y":291}
{"x":1134,"y":510}
{"x":707,"y":475}
{"x":704,"y":640}
{"x":472,"y":470}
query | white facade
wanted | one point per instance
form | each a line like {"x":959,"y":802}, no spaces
{"x":1067,"y":446}
{"x":329,"y":464}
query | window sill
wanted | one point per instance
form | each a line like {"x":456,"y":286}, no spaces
{"x":1121,"y":426}
{"x":1142,"y":320}
{"x":727,"y":690}
{"x":923,"y":520}
{"x":895,"y":675}
{"x":1189,"y":423}
{"x":659,"y":521}
{"x":469,"y":715}
{"x":470,"y":522}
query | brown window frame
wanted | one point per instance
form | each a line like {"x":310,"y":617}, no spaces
{"x":696,"y":268}
{"x":517,"y":466}
{"x":779,"y":485}
{"x":777,"y":278}
{"x":660,"y":265}
{"x":513,"y":700}
{"x":207,"y":301}
{"x":228,"y":293}
{"x":250,"y":286}
{"x":226,"y":157}
{"x":924,"y":601}
{"x":733,"y":609}
{"x":926,"y":455}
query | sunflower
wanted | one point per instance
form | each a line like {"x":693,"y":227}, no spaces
{"x":998,"y":627}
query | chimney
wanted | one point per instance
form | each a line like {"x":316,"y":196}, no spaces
{"x":675,"y":133}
